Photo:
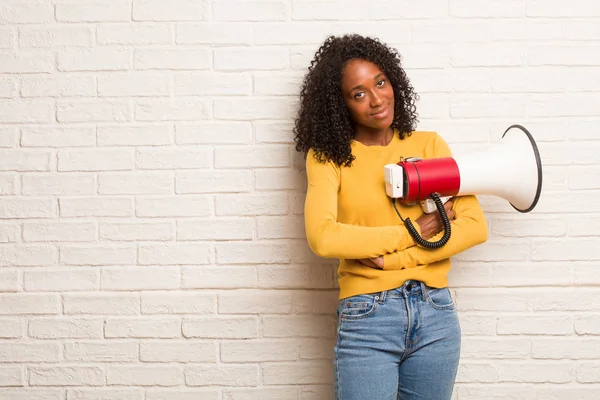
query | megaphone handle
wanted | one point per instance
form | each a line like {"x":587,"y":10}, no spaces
{"x":444,"y":239}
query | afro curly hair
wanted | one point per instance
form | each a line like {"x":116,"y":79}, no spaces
{"x":323,"y":122}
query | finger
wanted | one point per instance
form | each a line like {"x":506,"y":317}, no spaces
{"x":451,"y":214}
{"x":448,"y":205}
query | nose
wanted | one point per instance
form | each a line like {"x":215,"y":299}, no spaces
{"x":376,"y":100}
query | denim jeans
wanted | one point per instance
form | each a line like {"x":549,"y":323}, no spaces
{"x":400,"y":344}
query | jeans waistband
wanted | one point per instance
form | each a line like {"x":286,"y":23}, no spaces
{"x":407,"y":288}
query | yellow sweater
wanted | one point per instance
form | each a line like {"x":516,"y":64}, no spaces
{"x":349,"y":216}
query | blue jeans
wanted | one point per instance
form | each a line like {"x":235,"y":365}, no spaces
{"x":400,"y":344}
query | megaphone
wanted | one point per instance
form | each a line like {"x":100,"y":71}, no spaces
{"x":511,"y":169}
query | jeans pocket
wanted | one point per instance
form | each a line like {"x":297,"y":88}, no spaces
{"x":357,"y":307}
{"x":440,"y":299}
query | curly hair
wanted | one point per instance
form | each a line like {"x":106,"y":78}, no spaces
{"x":323,"y":122}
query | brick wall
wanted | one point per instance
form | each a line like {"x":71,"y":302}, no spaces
{"x":151,"y":232}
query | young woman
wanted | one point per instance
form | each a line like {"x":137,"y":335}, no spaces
{"x":398,"y":333}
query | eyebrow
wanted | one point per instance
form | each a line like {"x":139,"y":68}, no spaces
{"x":360,"y":86}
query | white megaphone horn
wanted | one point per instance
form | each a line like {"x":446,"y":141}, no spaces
{"x":511,"y":169}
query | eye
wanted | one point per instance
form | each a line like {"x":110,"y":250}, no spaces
{"x":358,"y":95}
{"x":381,"y":83}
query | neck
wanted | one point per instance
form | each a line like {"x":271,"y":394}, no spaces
{"x":374,"y":137}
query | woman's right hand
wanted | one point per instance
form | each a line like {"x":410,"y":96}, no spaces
{"x":431,"y":224}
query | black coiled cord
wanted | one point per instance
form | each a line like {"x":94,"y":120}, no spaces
{"x":415,"y":234}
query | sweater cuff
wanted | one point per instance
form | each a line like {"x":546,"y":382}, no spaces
{"x":390,"y":261}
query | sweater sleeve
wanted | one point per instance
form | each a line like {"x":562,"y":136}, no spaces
{"x":467,"y":230}
{"x":331,"y":239}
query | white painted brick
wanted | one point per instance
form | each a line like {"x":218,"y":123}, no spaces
{"x":26,"y":111}
{"x":27,"y":255}
{"x":566,"y":250}
{"x":95,"y":160}
{"x":222,"y":375}
{"x":493,"y":300}
{"x":581,"y":392}
{"x":142,"y":328}
{"x":201,"y":84}
{"x":127,"y":231}
{"x":189,"y":351}
{"x":96,"y":207}
{"x":178,"y":59}
{"x":217,"y":33}
{"x":11,"y":376}
{"x":217,"y":229}
{"x":281,"y":227}
{"x":173,"y":206}
{"x":8,"y":88}
{"x":534,"y":372}
{"x":258,"y":351}
{"x":58,"y":184}
{"x":105,"y":394}
{"x":93,"y":111}
{"x":251,"y":204}
{"x":29,"y":352}
{"x":278,"y":85}
{"x":476,"y":372}
{"x":468,"y":55}
{"x":174,"y":158}
{"x":60,"y":36}
{"x":460,"y":31}
{"x":588,"y":373}
{"x":26,"y":62}
{"x":255,"y":302}
{"x":583,"y":178}
{"x":567,"y":348}
{"x":179,"y":303}
{"x":136,"y":183}
{"x":185,"y":394}
{"x":477,"y":325}
{"x":132,"y":135}
{"x":101,"y":303}
{"x":579,"y":29}
{"x":576,"y":8}
{"x":522,"y":227}
{"x":59,"y":231}
{"x":24,"y":160}
{"x":97,"y":255}
{"x":546,"y":301}
{"x":178,"y":10}
{"x":66,"y":376}
{"x":58,"y":137}
{"x":140,"y":278}
{"x":538,"y":274}
{"x":250,"y":11}
{"x":214,"y":133}
{"x":257,"y":157}
{"x":246,"y":58}
{"x":220,"y":277}
{"x":280,"y":179}
{"x":29,"y":304}
{"x":302,"y":372}
{"x":34,"y":11}
{"x":175,"y":254}
{"x":220,"y":327}
{"x":272,"y":131}
{"x":61,"y":280}
{"x":281,"y":34}
{"x":561,"y":55}
{"x":93,"y":11}
{"x":496,"y":392}
{"x":583,"y":226}
{"x":9,"y":233}
{"x":134,"y":34}
{"x":138,"y":85}
{"x":302,"y":326}
{"x":322,"y":302}
{"x":506,"y":29}
{"x":97,"y":59}
{"x":300,"y":276}
{"x":213,"y":181}
{"x":252,"y":253}
{"x":255,"y":108}
{"x":262,"y":393}
{"x":8,"y":37}
{"x":172,"y":110}
{"x":32,"y":394}
{"x":168,"y":375}
{"x":495,"y":8}
{"x":535,"y":325}
{"x":63,"y":328}
{"x":9,"y":280}
{"x":393,"y":32}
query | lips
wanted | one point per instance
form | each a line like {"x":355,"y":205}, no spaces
{"x":382,"y":113}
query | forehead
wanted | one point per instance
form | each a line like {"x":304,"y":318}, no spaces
{"x":359,"y":72}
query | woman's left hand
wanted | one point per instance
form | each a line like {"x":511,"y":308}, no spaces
{"x":376,"y":263}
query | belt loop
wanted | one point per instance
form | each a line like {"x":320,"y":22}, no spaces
{"x":382,"y":297}
{"x":423,"y":291}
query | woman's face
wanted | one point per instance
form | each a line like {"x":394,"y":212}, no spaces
{"x":368,"y":94}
